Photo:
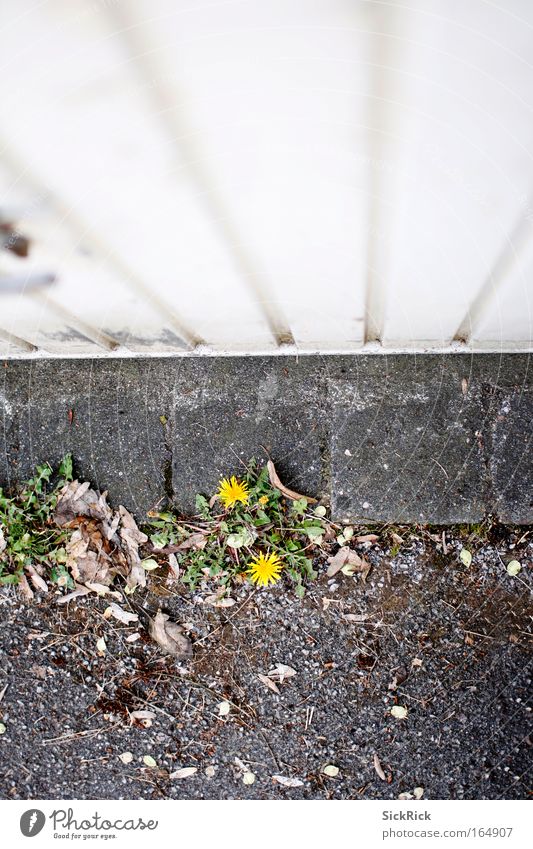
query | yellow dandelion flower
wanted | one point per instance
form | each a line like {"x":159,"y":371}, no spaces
{"x":265,"y":570}
{"x":231,"y":491}
{"x":263,"y":500}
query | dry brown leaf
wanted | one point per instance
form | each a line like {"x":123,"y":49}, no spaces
{"x":79,"y":591}
{"x":365,"y":569}
{"x":38,"y":582}
{"x":24,"y":588}
{"x":102,"y":589}
{"x":282,"y":671}
{"x":277,"y":484}
{"x":132,"y":537}
{"x":170,"y":636}
{"x":118,"y":613}
{"x":86,"y":564}
{"x":285,"y":781}
{"x":173,"y":565}
{"x":217,"y":601}
{"x":344,"y":557}
{"x":367,"y":538}
{"x":356,"y":617}
{"x":268,"y":682}
{"x":38,"y":671}
{"x":185,"y":772}
{"x":142,"y":717}
{"x":379,"y":768}
{"x":197,"y":541}
{"x":78,"y":499}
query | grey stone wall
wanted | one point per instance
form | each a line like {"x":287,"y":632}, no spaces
{"x":403,"y":438}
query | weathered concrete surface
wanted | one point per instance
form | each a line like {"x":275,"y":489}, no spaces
{"x":239,"y":409}
{"x":391,"y":438}
{"x":404,"y":444}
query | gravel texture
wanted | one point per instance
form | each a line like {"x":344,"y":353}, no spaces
{"x":449,"y":642}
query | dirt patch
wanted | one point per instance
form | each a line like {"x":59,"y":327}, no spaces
{"x":450,"y":643}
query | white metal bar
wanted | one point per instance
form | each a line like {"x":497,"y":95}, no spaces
{"x":166,"y":100}
{"x":510,"y":263}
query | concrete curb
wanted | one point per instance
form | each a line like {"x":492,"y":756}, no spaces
{"x":401,"y":438}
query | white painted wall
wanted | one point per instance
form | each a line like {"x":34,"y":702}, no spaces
{"x":236,"y":175}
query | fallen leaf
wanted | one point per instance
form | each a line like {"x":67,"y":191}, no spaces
{"x":513,"y":568}
{"x":197,"y":540}
{"x":38,"y":582}
{"x":133,"y":637}
{"x":173,"y":566}
{"x":210,"y":771}
{"x":398,"y":678}
{"x":185,"y":772}
{"x":149,"y":564}
{"x":170,"y":636}
{"x":287,"y":782}
{"x":120,"y":614}
{"x":356,"y":617}
{"x":268,"y":682}
{"x":132,"y":537}
{"x":366,"y":568}
{"x":277,"y":484}
{"x":101,"y":646}
{"x":243,"y":537}
{"x":78,"y":499}
{"x":248,"y":778}
{"x":338,"y":561}
{"x":398,"y":712}
{"x":331,"y":770}
{"x":224,"y":708}
{"x":142,"y":717}
{"x":102,"y":589}
{"x":87,"y":559}
{"x":149,"y":761}
{"x":418,"y":792}
{"x":217,"y":601}
{"x":367,"y":538}
{"x":282,"y":671}
{"x":345,"y":557}
{"x":379,"y":768}
{"x":2,"y":728}
{"x":465,"y":556}
{"x":126,"y":757}
{"x":38,"y":671}
{"x":24,"y":588}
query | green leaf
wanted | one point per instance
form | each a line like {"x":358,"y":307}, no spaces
{"x":315,"y":533}
{"x":65,"y":468}
{"x":243,"y":536}
{"x":202,"y":505}
{"x":150,"y":564}
{"x":465,"y":557}
{"x":159,"y":540}
{"x":513,"y":568}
